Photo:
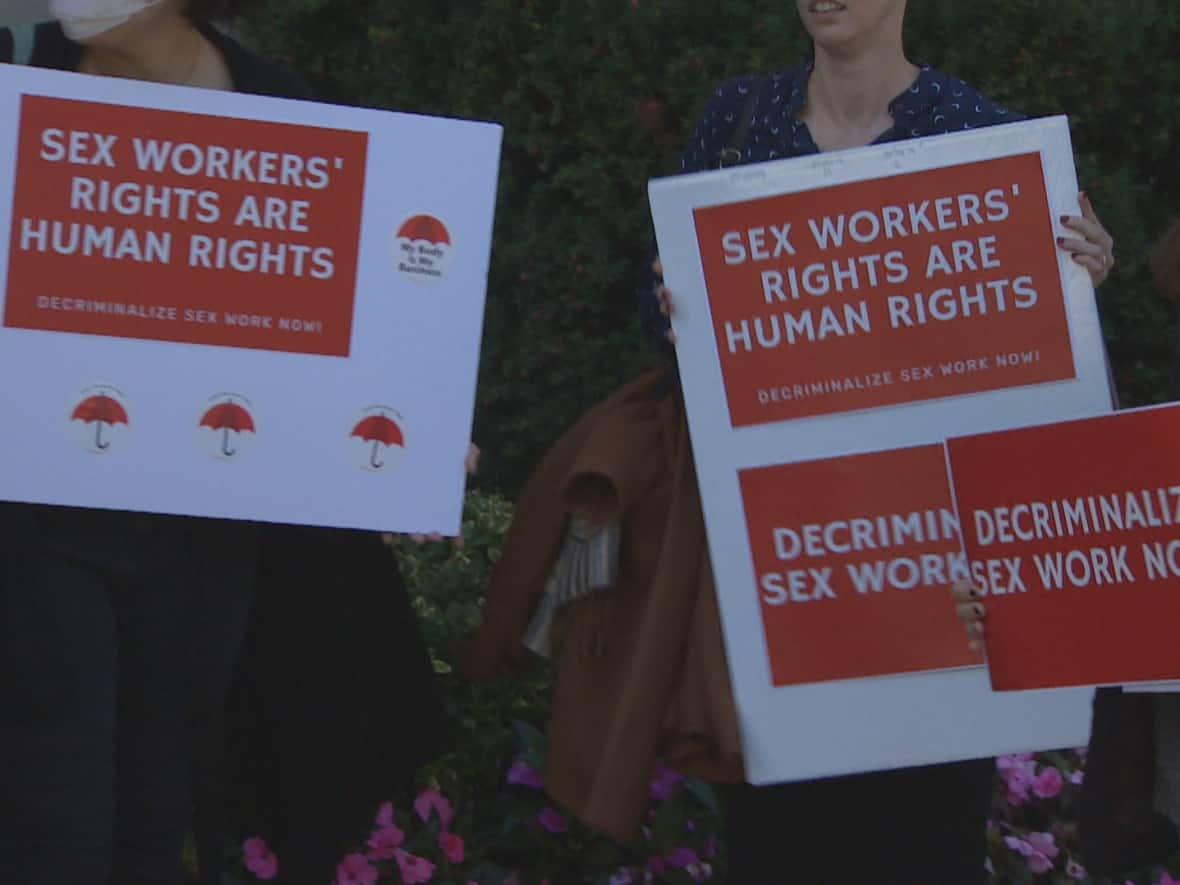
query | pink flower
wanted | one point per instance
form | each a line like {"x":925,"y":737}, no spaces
{"x":1018,"y":781}
{"x":551,"y":820}
{"x":384,"y":841}
{"x":414,"y":870}
{"x":1075,"y":870}
{"x":1077,"y":777}
{"x":1018,"y":845}
{"x":452,"y":847}
{"x":1167,"y":880}
{"x":664,"y":782}
{"x":433,"y":800}
{"x":1038,"y":863}
{"x":384,"y":815}
{"x":1044,"y":843}
{"x":682,"y":857}
{"x":355,"y":869}
{"x":1048,"y":783}
{"x":523,"y":774}
{"x":1014,"y":760}
{"x":259,"y":859}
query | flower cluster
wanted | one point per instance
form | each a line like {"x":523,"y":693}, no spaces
{"x":1033,"y":835}
{"x":435,"y":848}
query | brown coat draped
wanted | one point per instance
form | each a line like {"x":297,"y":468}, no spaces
{"x":658,"y":684}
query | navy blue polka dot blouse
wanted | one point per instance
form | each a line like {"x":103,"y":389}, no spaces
{"x":934,"y":105}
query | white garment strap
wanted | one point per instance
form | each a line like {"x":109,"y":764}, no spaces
{"x":22,"y":43}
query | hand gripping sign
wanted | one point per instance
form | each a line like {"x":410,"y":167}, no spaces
{"x":838,"y":317}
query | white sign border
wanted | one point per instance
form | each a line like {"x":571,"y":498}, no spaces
{"x":836,"y":728}
{"x":322,"y":486}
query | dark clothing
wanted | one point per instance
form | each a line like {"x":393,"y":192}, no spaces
{"x":935,"y":105}
{"x":807,"y":822}
{"x":801,"y":832}
{"x":250,"y":73}
{"x":336,"y":705}
{"x":1119,"y":827}
{"x":106,"y":672}
{"x":120,"y":633}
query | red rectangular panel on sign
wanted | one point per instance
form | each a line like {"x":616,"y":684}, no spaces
{"x":140,"y":223}
{"x":1075,"y":528}
{"x":854,"y":559}
{"x":911,"y":287}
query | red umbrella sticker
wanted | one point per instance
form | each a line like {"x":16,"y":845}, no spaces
{"x":223,"y":424}
{"x":381,"y":429}
{"x":101,"y":412}
{"x":422,"y":247}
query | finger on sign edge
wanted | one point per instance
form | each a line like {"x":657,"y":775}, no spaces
{"x":970,"y":611}
{"x":961,"y":590}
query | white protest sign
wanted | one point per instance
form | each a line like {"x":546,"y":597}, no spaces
{"x":838,"y":317}
{"x":223,"y":305}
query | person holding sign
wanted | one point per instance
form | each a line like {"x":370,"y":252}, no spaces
{"x":860,"y":88}
{"x":641,"y":670}
{"x":119,"y":632}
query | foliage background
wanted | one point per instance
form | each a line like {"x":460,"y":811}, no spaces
{"x":598,"y":96}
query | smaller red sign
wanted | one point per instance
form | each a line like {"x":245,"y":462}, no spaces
{"x":1076,"y":528}
{"x":854,"y":558}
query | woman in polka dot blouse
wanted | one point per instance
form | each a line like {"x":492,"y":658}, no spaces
{"x":916,"y":826}
{"x":858,"y":89}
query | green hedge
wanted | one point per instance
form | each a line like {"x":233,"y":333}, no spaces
{"x":596,"y":97}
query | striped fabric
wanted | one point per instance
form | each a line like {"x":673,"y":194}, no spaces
{"x":588,"y":563}
{"x":22,"y":43}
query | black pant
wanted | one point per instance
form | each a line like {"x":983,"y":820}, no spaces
{"x":918,"y":826}
{"x":107,"y":673}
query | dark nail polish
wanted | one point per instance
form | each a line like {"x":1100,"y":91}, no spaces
{"x":1065,"y":219}
{"x":1061,"y":241}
